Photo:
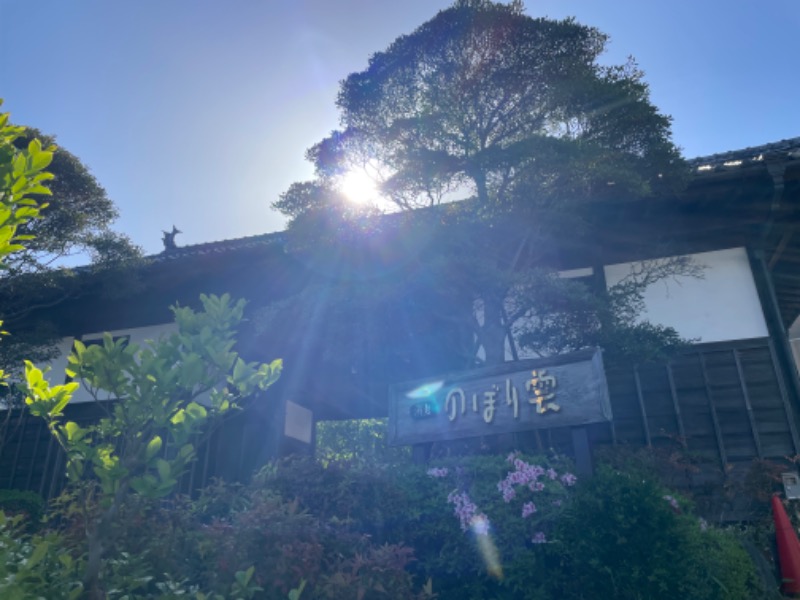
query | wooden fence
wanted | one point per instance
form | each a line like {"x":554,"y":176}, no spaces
{"x":726,"y":402}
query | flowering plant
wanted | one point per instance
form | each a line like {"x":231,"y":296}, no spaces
{"x":538,"y":493}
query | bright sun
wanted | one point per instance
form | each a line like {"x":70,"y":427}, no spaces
{"x":358,"y":187}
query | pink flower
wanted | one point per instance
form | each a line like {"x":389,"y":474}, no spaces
{"x":539,"y":538}
{"x":437,"y":472}
{"x":673,"y":503}
{"x":528,"y":509}
{"x":464,"y":508}
{"x":568,"y":479}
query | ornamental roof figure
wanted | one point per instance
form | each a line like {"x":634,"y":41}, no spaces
{"x":169,"y":239}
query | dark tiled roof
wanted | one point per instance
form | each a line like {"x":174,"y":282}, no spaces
{"x":788,"y":149}
{"x":254,"y":241}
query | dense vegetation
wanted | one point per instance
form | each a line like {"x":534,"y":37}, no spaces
{"x":474,"y":527}
{"x":516,"y":527}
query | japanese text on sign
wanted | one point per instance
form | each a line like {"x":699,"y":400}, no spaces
{"x":541,"y":388}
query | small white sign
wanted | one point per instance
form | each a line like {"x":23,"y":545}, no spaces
{"x":791,"y":485}
{"x":299,"y":422}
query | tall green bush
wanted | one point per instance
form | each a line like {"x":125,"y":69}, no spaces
{"x":615,"y":535}
{"x":155,"y":413}
{"x":624,"y":536}
{"x":405,"y":503}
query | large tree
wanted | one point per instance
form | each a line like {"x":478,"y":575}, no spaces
{"x":516,"y":115}
{"x":75,"y":220}
{"x":484,"y":100}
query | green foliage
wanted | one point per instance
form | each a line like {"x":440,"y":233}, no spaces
{"x":518,"y":117}
{"x":36,"y":566}
{"x":160,"y":398}
{"x":403,"y":503}
{"x":614,"y":535}
{"x":154,"y":391}
{"x":388,"y":531}
{"x":624,"y":536}
{"x":356,"y":441}
{"x":77,"y":219}
{"x":22,"y":502}
{"x":22,"y":176}
{"x":247,"y":542}
{"x":485,"y":100}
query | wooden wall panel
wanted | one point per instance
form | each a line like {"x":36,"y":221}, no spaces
{"x":726,"y":402}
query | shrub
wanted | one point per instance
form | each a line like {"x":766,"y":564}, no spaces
{"x":624,"y":536}
{"x":233,"y":532}
{"x":404,"y":503}
{"x":35,"y":566}
{"x":619,"y":535}
{"x":22,"y":502}
{"x":359,"y":441}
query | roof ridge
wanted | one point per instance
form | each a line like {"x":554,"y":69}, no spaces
{"x":749,"y":154}
{"x":259,"y":239}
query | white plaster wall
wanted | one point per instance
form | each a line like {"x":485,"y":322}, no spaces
{"x":58,"y":364}
{"x":723,"y":305}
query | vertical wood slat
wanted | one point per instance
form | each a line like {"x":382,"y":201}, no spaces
{"x":674,"y":393}
{"x":54,"y":480}
{"x":45,"y":467}
{"x":748,"y":405}
{"x":204,"y":476}
{"x":715,"y":420}
{"x":784,"y":396}
{"x":243,"y":438}
{"x":641,"y":405}
{"x":20,"y":428}
{"x":35,"y":456}
{"x":191,"y":473}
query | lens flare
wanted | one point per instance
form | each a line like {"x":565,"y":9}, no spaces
{"x":486,"y":546}
{"x":423,"y":391}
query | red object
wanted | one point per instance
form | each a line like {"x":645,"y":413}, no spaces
{"x":788,"y":549}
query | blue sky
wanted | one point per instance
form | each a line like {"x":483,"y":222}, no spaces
{"x":198,"y":112}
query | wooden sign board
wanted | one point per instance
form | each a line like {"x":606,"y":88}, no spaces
{"x":567,"y":390}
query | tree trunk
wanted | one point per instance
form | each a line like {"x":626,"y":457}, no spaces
{"x":480,"y":184}
{"x":493,"y":332}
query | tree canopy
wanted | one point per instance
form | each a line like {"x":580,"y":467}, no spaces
{"x":77,"y":220}
{"x":485,"y":101}
{"x":517,"y":115}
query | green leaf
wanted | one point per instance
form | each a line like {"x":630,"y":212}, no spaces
{"x":196,"y":411}
{"x":164,"y":469}
{"x":74,"y":431}
{"x":63,"y":394}
{"x":186,"y":451}
{"x":179,"y":417}
{"x":153,"y":448}
{"x":38,"y":554}
{"x":243,"y":577}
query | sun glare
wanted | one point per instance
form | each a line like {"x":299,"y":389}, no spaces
{"x":358,"y":187}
